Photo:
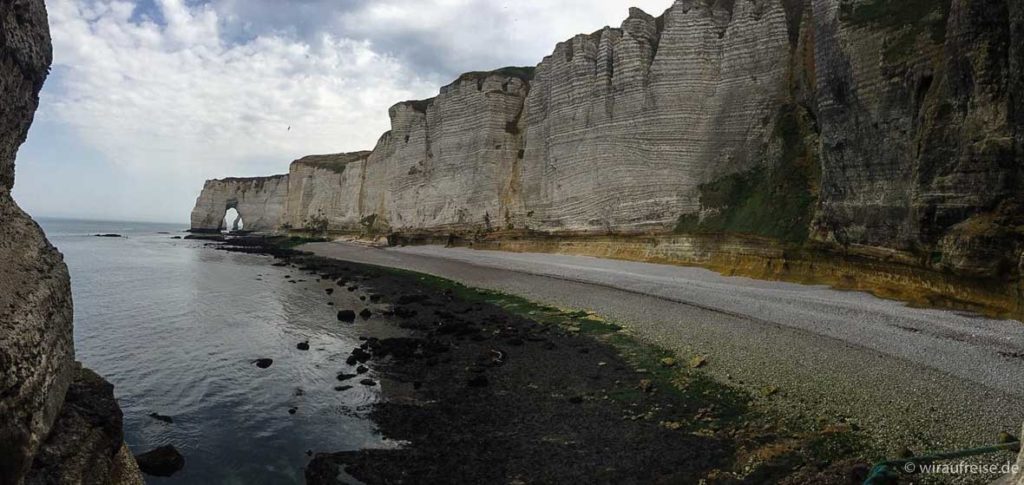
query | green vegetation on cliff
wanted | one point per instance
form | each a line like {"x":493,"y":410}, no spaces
{"x":524,"y":73}
{"x":775,"y":202}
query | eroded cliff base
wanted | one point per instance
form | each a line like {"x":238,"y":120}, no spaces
{"x":887,"y":274}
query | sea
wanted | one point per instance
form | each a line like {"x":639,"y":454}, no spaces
{"x":176,"y":325}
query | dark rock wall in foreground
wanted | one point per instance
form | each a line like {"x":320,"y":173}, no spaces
{"x":37,"y":365}
{"x":891,"y":129}
{"x":919,"y":106}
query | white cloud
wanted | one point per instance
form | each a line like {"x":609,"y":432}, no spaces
{"x":179,"y":95}
{"x":480,"y":34}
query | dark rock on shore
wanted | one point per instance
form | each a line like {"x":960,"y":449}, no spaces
{"x":329,"y":291}
{"x":206,"y":237}
{"x":407,"y":299}
{"x":404,"y":312}
{"x":347,"y":316}
{"x":303,"y":345}
{"x":492,"y":358}
{"x":366,"y":313}
{"x":161,"y":417}
{"x":344,"y":377}
{"x":263,"y":363}
{"x":552,"y":413}
{"x":478,"y":380}
{"x":404,"y":348}
{"x":85,"y":444}
{"x":164,"y":461}
{"x":531,"y":395}
{"x":360,"y":355}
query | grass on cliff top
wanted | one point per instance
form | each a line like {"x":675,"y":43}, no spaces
{"x":334,"y":162}
{"x":775,"y":202}
{"x":525,"y":73}
{"x":420,"y":105}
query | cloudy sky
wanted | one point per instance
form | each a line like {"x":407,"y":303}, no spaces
{"x":149,"y":98}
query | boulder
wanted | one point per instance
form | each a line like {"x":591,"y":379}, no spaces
{"x":478,"y":380}
{"x":86,"y":443}
{"x":263,"y":363}
{"x":164,"y":461}
{"x":161,"y":417}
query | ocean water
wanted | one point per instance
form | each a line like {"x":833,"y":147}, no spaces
{"x":175,"y":326}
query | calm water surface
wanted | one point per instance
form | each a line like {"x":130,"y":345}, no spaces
{"x":175,"y":325}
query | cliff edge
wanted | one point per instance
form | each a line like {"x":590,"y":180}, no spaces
{"x":51,"y":407}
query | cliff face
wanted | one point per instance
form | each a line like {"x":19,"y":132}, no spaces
{"x":36,"y":346}
{"x":871,"y":128}
{"x":448,"y":162}
{"x":623,"y":125}
{"x":320,"y":189}
{"x":260,"y":201}
{"x":920,"y":112}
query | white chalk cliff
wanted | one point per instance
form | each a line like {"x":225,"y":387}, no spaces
{"x":890,"y":130}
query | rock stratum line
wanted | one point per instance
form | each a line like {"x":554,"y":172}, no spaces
{"x":864,"y":143}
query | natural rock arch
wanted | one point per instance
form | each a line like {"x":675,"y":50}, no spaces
{"x":259,"y":201}
{"x":232,"y":214}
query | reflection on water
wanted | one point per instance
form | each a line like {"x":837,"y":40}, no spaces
{"x":175,"y":326}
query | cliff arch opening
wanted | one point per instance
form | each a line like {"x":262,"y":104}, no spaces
{"x":232,"y":221}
